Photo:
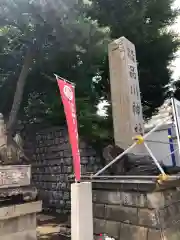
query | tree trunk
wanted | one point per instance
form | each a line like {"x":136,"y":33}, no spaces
{"x":19,"y":92}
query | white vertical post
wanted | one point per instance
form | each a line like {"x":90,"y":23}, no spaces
{"x":176,"y":115}
{"x":81,"y":211}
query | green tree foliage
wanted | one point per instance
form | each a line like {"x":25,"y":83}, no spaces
{"x":39,"y":38}
{"x":146,"y":23}
{"x":42,"y":38}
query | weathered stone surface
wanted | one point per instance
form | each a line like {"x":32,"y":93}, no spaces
{"x":128,"y":199}
{"x":154,"y":234}
{"x":28,"y":193}
{"x":155,"y":200}
{"x":148,"y":218}
{"x":8,"y":226}
{"x":25,"y":235}
{"x":168,"y":216}
{"x":107,"y":197}
{"x":121,"y":214}
{"x":97,"y":195}
{"x":18,"y":224}
{"x":27,"y":222}
{"x":19,"y":210}
{"x":143,"y":187}
{"x":15,"y":176}
{"x":99,"y":226}
{"x":52,"y":165}
{"x":171,"y":234}
{"x":114,"y":198}
{"x":129,"y":232}
{"x":128,"y":187}
{"x":171,"y":196}
{"x":112,"y":229}
{"x":133,"y":164}
{"x":99,"y":210}
{"x":134,"y":199}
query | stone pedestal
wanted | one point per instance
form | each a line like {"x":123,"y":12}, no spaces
{"x":18,"y":222}
{"x":137,"y":211}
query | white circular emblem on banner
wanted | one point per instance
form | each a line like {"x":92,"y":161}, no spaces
{"x":68,"y":92}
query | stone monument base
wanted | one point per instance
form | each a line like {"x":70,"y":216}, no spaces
{"x":137,"y":211}
{"x":18,"y":222}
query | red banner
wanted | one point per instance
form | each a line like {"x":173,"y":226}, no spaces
{"x":68,"y":98}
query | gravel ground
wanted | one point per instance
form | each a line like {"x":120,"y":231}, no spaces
{"x":52,"y":228}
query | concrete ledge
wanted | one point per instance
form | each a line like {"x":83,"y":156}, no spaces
{"x":18,"y":224}
{"x":26,"y":235}
{"x":20,"y":210}
{"x":136,"y":187}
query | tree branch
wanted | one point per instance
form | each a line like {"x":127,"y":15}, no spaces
{"x":19,"y":91}
{"x":49,"y":77}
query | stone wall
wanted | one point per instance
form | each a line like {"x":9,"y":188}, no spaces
{"x":19,"y":221}
{"x":126,"y":214}
{"x":52,"y":164}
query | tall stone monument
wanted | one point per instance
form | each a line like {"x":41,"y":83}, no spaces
{"x":133,"y":209}
{"x":125,"y":93}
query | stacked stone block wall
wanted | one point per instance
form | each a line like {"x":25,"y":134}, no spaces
{"x":52,"y":166}
{"x":133,"y":215}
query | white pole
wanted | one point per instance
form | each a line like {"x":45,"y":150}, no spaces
{"x":175,"y":115}
{"x":154,"y":159}
{"x":81,"y":211}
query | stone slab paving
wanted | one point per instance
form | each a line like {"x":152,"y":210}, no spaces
{"x":51,"y":228}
